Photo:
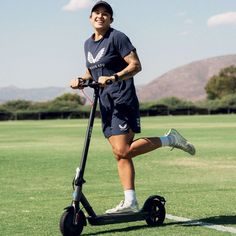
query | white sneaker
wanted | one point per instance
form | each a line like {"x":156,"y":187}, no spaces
{"x":124,"y":206}
{"x":180,"y":142}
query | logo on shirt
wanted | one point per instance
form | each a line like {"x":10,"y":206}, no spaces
{"x":100,"y":54}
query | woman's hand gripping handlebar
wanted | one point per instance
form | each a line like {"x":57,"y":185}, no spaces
{"x":80,"y":83}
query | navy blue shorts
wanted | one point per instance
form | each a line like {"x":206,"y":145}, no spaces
{"x":120,"y":119}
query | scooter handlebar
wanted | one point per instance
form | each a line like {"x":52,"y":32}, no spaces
{"x":108,"y":82}
{"x":88,"y":83}
{"x":91,"y":83}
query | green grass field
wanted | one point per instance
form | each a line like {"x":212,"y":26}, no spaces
{"x":38,"y":160}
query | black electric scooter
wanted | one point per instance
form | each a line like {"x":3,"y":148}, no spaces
{"x":73,"y":218}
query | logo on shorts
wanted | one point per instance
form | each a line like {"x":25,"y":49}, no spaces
{"x":123,"y":128}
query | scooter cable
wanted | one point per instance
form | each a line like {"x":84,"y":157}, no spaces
{"x":87,"y":97}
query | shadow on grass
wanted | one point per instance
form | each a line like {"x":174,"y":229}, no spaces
{"x":126,"y":229}
{"x":217,"y":220}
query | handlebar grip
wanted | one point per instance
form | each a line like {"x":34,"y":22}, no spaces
{"x":109,"y":81}
{"x":84,"y":82}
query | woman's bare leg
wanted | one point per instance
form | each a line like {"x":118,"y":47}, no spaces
{"x":124,"y":149}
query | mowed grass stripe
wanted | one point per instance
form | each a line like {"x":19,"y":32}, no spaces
{"x":189,"y":222}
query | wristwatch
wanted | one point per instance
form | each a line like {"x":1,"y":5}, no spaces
{"x":117,"y":78}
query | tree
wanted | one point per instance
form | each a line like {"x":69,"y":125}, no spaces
{"x":222,"y":84}
{"x":228,"y":101}
{"x":69,"y":97}
{"x":174,"y":102}
{"x":17,"y":105}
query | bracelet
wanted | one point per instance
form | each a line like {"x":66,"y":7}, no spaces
{"x":117,"y":78}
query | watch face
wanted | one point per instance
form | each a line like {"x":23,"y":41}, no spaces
{"x":116,"y":77}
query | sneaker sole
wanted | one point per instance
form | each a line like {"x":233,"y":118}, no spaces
{"x":123,"y":211}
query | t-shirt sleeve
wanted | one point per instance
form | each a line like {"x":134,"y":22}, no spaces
{"x":123,"y":44}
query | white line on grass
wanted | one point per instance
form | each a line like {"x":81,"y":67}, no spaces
{"x":199,"y":223}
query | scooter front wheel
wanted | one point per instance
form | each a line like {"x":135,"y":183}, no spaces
{"x":67,"y":226}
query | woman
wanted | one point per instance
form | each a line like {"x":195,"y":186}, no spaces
{"x":110,"y":56}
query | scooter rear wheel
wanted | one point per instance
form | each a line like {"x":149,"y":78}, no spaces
{"x":67,"y":226}
{"x":157,"y":213}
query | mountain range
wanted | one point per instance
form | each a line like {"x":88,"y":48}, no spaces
{"x":34,"y":94}
{"x":186,"y":82}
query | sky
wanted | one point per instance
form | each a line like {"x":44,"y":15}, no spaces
{"x":41,"y":41}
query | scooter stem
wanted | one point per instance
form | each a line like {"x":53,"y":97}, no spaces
{"x":80,"y":180}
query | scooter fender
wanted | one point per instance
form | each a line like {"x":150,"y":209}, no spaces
{"x":149,"y":201}
{"x":69,"y":208}
{"x":72,"y":210}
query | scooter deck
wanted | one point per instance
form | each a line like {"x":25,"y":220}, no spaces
{"x":117,"y":218}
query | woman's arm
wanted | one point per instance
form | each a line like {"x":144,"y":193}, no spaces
{"x":133,"y":67}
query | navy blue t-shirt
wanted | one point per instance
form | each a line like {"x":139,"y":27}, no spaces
{"x":105,"y":58}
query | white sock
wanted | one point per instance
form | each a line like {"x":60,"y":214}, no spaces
{"x":167,"y":140}
{"x":130,"y":195}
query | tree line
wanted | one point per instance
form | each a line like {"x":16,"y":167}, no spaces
{"x":220,"y":89}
